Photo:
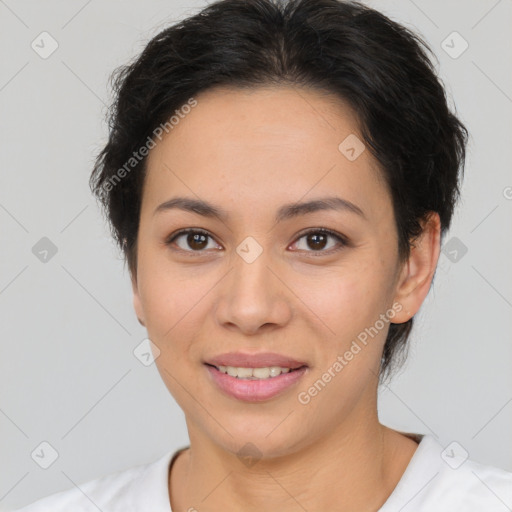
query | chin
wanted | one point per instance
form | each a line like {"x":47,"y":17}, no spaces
{"x":256,"y":435}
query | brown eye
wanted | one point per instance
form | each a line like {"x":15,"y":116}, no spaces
{"x":318,"y":239}
{"x":192,"y":240}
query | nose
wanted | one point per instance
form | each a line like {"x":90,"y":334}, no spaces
{"x":253,"y":296}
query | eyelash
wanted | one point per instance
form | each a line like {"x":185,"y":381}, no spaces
{"x":343,"y":241}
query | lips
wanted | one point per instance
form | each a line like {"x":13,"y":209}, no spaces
{"x":261,"y":360}
{"x":258,"y":390}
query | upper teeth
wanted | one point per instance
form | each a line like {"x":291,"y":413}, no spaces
{"x":256,"y":373}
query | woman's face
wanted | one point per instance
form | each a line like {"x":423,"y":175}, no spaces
{"x":257,"y":282}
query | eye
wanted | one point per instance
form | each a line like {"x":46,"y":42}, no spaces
{"x":196,"y":239}
{"x":318,"y":237}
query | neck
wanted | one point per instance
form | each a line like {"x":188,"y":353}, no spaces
{"x":354,"y":468}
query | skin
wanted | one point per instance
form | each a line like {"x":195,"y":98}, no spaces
{"x":250,"y":152}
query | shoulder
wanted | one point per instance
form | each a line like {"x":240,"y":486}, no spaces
{"x":115,"y":492}
{"x":471,"y":487}
{"x":445,"y":479}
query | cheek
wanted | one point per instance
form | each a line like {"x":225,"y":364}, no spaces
{"x":174,"y":307}
{"x":172,"y":301}
{"x":350,"y":299}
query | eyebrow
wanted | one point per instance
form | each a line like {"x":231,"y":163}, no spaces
{"x":285,"y":212}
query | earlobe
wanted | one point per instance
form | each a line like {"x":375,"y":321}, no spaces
{"x":417,"y":273}
{"x":137,"y":305}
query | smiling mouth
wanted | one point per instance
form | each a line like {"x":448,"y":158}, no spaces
{"x":262,"y":373}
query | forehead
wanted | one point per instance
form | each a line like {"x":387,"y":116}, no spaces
{"x":264,"y":146}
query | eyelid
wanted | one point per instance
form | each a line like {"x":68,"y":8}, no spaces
{"x":170,"y":239}
{"x":342,"y":240}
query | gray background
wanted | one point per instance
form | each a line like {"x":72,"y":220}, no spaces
{"x":68,"y":373}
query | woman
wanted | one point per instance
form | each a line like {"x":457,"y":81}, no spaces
{"x":279,"y":176}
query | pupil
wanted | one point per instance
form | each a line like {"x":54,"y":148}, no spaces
{"x":194,"y":240}
{"x":198,"y":240}
{"x":315,"y":237}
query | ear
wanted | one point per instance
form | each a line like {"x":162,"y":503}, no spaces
{"x":137,"y":305}
{"x":417,"y":273}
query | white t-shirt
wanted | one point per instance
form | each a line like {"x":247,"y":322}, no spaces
{"x":436,"y":479}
